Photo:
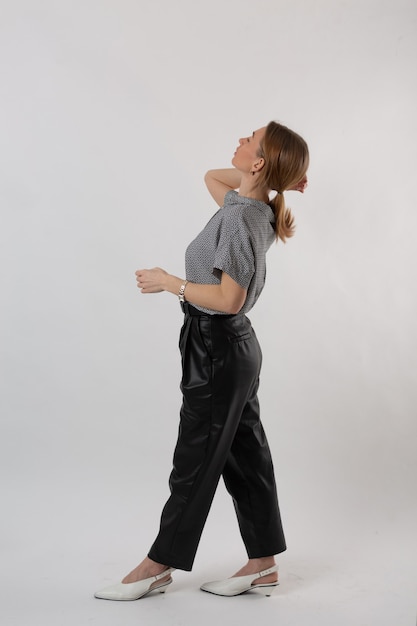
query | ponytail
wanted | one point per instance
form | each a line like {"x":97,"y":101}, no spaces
{"x":286,"y":163}
{"x":284,"y":219}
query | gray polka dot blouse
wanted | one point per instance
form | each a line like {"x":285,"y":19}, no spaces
{"x":234,"y":241}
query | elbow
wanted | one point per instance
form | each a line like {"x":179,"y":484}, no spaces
{"x":233,"y":296}
{"x":233,"y":310}
{"x":234,"y":306}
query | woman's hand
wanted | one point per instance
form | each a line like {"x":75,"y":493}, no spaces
{"x":152,"y":281}
{"x":301,"y":186}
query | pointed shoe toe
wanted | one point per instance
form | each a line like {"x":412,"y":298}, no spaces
{"x":240,"y":584}
{"x":134,"y":591}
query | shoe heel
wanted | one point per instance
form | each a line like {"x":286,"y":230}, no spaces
{"x":267,"y":590}
{"x":163,"y":588}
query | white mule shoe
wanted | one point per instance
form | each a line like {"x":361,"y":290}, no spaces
{"x":134,"y":591}
{"x":239,"y":584}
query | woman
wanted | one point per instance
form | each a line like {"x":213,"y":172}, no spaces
{"x":220,"y":431}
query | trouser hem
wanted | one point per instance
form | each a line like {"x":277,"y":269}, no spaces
{"x":170,"y":562}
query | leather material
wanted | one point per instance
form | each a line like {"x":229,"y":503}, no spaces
{"x":220,"y":433}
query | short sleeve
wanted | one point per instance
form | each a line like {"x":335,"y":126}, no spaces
{"x":234,"y":253}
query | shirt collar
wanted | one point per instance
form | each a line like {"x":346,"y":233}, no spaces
{"x":232,"y":197}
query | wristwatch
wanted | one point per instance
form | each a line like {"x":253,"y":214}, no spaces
{"x":181,"y":291}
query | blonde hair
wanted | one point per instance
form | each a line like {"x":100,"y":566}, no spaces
{"x":286,"y":162}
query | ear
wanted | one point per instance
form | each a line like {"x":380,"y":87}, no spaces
{"x":258,"y":164}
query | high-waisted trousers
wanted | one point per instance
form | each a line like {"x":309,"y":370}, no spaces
{"x":220,"y":434}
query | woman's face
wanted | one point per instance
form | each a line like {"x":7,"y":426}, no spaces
{"x":247,"y":153}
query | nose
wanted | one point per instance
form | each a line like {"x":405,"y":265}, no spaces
{"x":241,"y":140}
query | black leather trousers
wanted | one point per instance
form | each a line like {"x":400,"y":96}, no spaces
{"x":220,"y":433}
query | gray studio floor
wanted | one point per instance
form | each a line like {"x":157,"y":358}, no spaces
{"x":63,"y":539}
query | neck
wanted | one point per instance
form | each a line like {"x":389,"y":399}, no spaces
{"x":248,"y":190}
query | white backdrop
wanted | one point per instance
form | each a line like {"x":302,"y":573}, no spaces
{"x":111,"y":112}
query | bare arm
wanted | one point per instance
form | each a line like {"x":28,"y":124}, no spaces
{"x":227,"y":297}
{"x":219,"y":182}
